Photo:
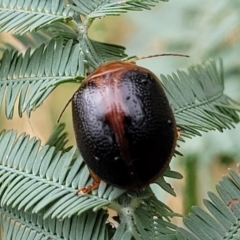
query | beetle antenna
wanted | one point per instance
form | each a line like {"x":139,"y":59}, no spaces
{"x":156,"y":55}
{"x":60,"y":115}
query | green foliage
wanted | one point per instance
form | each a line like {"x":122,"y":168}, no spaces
{"x":33,"y":77}
{"x":24,"y":16}
{"x":223,"y":222}
{"x":44,"y":181}
{"x":99,"y":8}
{"x":97,"y":53}
{"x":19,"y":224}
{"x":44,"y":171}
{"x":38,"y":183}
{"x":198,"y":101}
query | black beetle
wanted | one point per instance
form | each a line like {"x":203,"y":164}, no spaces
{"x":124,"y":126}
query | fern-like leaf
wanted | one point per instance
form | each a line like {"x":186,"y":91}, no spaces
{"x":44,"y":181}
{"x":24,"y":16}
{"x":99,"y":8}
{"x":198,"y":101}
{"x":224,"y":220}
{"x":33,"y":179}
{"x":22,"y":225}
{"x":59,"y":29}
{"x":33,"y":39}
{"x":97,"y":52}
{"x":33,"y":77}
{"x":142,"y":216}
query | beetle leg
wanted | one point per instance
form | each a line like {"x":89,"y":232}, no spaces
{"x":94,"y":185}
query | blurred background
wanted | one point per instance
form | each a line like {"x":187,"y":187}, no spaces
{"x":202,"y":29}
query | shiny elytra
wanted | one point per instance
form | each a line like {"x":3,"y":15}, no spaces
{"x":124,"y":126}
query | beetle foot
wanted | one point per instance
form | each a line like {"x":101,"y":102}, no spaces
{"x":87,"y":189}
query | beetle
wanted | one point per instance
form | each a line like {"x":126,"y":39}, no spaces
{"x":124,"y":126}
